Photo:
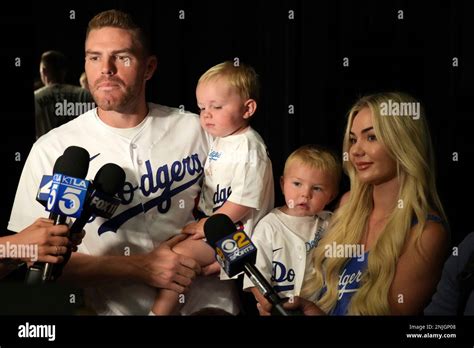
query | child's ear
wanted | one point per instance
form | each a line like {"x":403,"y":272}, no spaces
{"x":250,"y":106}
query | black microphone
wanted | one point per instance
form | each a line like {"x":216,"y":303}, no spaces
{"x":236,"y":253}
{"x":108,"y":181}
{"x":74,"y":162}
{"x":100,"y":201}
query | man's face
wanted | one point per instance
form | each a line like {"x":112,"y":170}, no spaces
{"x":116,"y":69}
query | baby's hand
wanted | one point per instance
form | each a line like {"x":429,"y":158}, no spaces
{"x":195,"y":229}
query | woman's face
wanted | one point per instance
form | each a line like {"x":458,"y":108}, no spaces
{"x":368,"y":156}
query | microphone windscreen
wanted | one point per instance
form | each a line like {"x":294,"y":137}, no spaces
{"x":58,"y":165}
{"x":217,"y":227}
{"x":109,"y":179}
{"x":74,"y":162}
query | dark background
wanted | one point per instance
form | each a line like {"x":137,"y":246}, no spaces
{"x":300,"y":63}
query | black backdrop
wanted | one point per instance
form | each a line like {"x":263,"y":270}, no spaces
{"x":300,"y":62}
{"x":390,"y":45}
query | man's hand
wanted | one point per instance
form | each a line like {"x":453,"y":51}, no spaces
{"x":195,"y":229}
{"x":163,"y":268}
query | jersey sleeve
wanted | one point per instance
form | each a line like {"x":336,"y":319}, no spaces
{"x":251,"y":176}
{"x":263,"y":241}
{"x":25,"y":207}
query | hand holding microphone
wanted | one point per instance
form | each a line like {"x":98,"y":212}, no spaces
{"x":66,"y":194}
{"x":50,"y":239}
{"x":66,"y":197}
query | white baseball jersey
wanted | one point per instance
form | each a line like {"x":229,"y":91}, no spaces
{"x":239,"y":170}
{"x":284,"y":249}
{"x":163,"y":159}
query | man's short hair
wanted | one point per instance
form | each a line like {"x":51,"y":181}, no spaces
{"x":55,"y":64}
{"x":121,"y":20}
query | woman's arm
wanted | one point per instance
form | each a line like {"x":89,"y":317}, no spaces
{"x":417,"y":274}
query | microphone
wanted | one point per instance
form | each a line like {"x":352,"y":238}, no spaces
{"x":46,"y":183}
{"x":108,"y":181}
{"x":236,"y":253}
{"x":100,"y":201}
{"x":66,"y":198}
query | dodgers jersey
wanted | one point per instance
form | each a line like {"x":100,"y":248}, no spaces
{"x":239,"y":170}
{"x":163,"y":161}
{"x":349,"y":282}
{"x":285,"y":247}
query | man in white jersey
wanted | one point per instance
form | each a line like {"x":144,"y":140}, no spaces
{"x":123,"y":260}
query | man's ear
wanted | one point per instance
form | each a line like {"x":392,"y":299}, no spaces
{"x":250,"y":106}
{"x":151,"y":64}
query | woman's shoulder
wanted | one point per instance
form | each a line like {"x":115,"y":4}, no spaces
{"x":432,"y":216}
{"x":435,"y":233}
{"x":434,"y":229}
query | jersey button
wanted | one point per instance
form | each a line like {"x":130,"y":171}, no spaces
{"x":140,"y":162}
{"x":134,"y":146}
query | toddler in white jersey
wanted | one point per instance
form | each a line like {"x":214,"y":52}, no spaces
{"x":238,"y":178}
{"x":286,"y":237}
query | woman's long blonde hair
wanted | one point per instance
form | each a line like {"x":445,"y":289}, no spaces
{"x":407,"y":140}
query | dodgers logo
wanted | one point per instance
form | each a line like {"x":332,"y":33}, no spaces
{"x":214,"y":155}
{"x":220,"y":196}
{"x":349,"y":282}
{"x":281,"y":274}
{"x":165,"y":179}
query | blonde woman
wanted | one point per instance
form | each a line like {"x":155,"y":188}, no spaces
{"x":392,"y":218}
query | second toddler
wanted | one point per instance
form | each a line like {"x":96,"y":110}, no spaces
{"x":286,"y":237}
